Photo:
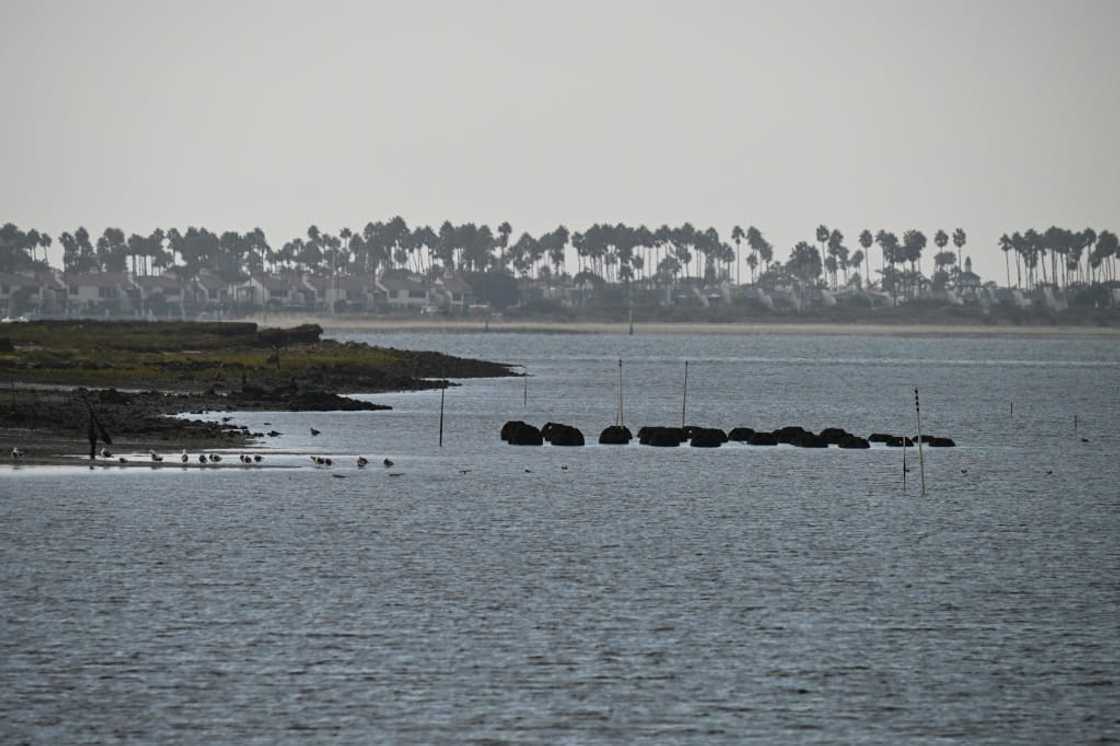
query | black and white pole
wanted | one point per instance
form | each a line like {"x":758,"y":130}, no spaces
{"x":921,"y":459}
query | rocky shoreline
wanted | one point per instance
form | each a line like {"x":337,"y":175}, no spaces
{"x":152,"y":370}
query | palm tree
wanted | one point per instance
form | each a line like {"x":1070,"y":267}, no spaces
{"x":1005,"y":247}
{"x":504,"y":231}
{"x":838,"y":252}
{"x":865,"y":240}
{"x":959,"y":240}
{"x":888,"y":247}
{"x":822,"y":238}
{"x":737,"y":235}
{"x":857,"y":262}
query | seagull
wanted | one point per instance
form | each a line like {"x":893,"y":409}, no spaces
{"x":388,"y":462}
{"x":105,"y":453}
{"x":464,"y":471}
{"x":226,"y":419}
{"x":964,"y":471}
{"x":244,"y":459}
{"x":257,"y":457}
{"x":564,"y":467}
{"x":528,"y":471}
{"x":328,"y":462}
{"x":1084,"y":440}
{"x":314,"y":432}
{"x":1049,"y":472}
{"x":362,"y":462}
{"x":202,"y":458}
{"x":184,"y":458}
{"x":17,"y":453}
{"x":155,"y":456}
{"x":215,"y":457}
{"x":273,"y":433}
{"x":122,"y":460}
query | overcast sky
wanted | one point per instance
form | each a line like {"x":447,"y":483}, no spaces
{"x":992,"y":115}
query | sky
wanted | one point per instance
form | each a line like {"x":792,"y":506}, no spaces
{"x":990,"y":115}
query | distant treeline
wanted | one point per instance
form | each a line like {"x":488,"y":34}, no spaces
{"x":613,"y":253}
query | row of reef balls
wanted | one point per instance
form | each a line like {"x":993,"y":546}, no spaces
{"x":518,"y":433}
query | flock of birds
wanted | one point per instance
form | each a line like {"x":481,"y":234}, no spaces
{"x":204,"y":459}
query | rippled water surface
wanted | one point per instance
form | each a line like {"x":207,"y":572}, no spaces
{"x":487,"y":593}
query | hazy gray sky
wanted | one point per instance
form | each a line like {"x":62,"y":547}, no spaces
{"x":992,"y":115}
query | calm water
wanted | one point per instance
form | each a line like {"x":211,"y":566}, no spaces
{"x":502,"y":595}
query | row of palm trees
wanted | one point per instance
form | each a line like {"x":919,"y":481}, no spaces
{"x":615,"y":253}
{"x":1066,"y":248}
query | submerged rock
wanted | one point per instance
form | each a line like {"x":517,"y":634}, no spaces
{"x":615,"y":435}
{"x":740,"y":434}
{"x":854,"y":441}
{"x":523,"y":434}
{"x":708,"y":438}
{"x":763,"y":439}
{"x":834,"y":435}
{"x":562,"y":435}
{"x":661,"y":437}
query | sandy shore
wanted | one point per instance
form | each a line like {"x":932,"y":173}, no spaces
{"x":558,"y":327}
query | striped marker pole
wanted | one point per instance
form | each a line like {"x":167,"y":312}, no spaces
{"x":921,"y":459}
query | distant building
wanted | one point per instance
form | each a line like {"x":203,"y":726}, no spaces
{"x":101,"y":293}
{"x":455,"y":293}
{"x":404,"y":290}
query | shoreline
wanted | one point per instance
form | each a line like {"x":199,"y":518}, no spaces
{"x":508,"y":326}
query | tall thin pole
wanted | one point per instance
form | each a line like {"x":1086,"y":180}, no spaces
{"x":921,"y":459}
{"x":905,"y":440}
{"x":621,"y":410}
{"x":684,"y":398}
{"x":525,"y":393}
{"x":441,"y":395}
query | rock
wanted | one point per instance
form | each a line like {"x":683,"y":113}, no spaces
{"x":509,"y":427}
{"x":562,"y":435}
{"x":898,"y":441}
{"x":524,"y":434}
{"x":809,"y":440}
{"x":854,"y":441}
{"x":834,"y":435}
{"x":707,"y":438}
{"x":880,"y":437}
{"x":763,"y":439}
{"x":740,"y":434}
{"x":791,"y":434}
{"x":615,"y":435}
{"x":940,"y":442}
{"x":661,"y":437}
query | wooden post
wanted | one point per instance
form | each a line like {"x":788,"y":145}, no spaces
{"x":684,"y":398}
{"x":921,"y":459}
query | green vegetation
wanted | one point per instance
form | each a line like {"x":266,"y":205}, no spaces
{"x":196,"y":356}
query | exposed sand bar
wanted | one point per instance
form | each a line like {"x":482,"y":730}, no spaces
{"x":747,"y":328}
